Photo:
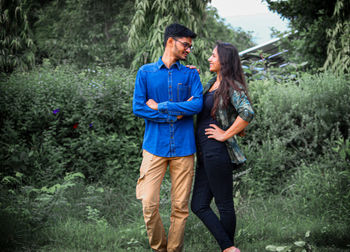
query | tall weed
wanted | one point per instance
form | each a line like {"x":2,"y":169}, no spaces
{"x":59,"y":120}
{"x":293,"y":122}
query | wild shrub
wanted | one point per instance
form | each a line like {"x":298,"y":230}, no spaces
{"x":323,"y":186}
{"x":60,"y":120}
{"x":293,"y":122}
{"x":321,"y":190}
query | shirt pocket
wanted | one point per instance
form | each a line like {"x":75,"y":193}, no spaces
{"x":183,"y":92}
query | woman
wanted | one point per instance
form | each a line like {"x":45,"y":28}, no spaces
{"x":226,"y":112}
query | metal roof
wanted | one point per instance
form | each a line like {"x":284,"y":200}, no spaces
{"x":271,"y":50}
{"x":269,"y":47}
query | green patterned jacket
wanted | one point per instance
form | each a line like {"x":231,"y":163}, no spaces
{"x":239,"y":105}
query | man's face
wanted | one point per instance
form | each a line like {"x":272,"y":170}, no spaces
{"x":182,"y":47}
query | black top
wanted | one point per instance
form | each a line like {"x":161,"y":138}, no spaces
{"x":204,"y":118}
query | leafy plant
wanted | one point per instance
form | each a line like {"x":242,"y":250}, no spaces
{"x":293,"y":122}
{"x":16,"y":41}
{"x":317,"y":26}
{"x":298,"y":246}
{"x":55,"y":121}
{"x":338,"y":50}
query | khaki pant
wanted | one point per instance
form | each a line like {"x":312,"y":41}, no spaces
{"x":152,"y":171}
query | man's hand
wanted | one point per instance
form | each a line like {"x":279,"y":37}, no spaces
{"x":180,"y":116}
{"x":194,"y":67}
{"x":152,"y":104}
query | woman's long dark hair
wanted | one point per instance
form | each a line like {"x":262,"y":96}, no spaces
{"x":231,"y":72}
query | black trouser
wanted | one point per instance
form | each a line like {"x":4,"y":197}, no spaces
{"x":214,"y":179}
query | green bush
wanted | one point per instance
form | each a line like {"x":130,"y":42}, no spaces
{"x":323,"y":186}
{"x":59,"y":125}
{"x":293,"y":122}
{"x":34,"y":217}
{"x":59,"y":120}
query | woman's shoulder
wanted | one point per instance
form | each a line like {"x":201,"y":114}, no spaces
{"x":239,"y":85}
{"x":237,"y":90}
{"x":209,"y":84}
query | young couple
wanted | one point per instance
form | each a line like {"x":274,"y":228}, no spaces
{"x":167,"y":95}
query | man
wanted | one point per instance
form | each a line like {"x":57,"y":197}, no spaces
{"x":167,"y":95}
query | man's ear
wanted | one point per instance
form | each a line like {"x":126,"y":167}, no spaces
{"x":170,"y":42}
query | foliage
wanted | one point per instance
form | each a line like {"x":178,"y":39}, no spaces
{"x":298,"y":246}
{"x":89,"y":217}
{"x":150,"y":20}
{"x":97,"y":32}
{"x":322,"y":191}
{"x":330,"y":174}
{"x":34,"y":213}
{"x":66,"y":186}
{"x":29,"y":208}
{"x":16,"y":42}
{"x":310,"y":23}
{"x":55,"y":121}
{"x":60,"y":120}
{"x":338,"y":50}
{"x":293,"y":122}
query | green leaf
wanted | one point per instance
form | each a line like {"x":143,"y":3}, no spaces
{"x":271,"y":248}
{"x":300,"y":243}
{"x":281,"y":248}
{"x":19,"y":174}
{"x":71,"y":176}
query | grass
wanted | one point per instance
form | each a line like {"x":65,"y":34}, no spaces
{"x":311,"y":207}
{"x":118,"y":225}
{"x":306,"y":122}
{"x":282,"y":221}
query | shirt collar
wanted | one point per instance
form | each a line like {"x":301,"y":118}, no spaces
{"x":160,"y":64}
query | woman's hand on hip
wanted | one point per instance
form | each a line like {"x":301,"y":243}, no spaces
{"x":216,"y":133}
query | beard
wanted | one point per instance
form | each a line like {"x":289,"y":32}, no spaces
{"x":180,"y":54}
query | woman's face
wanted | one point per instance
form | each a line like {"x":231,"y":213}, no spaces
{"x":214,"y":63}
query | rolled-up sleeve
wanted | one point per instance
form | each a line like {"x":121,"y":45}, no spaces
{"x":241,"y":103}
{"x":186,"y":108}
{"x":140,"y":107}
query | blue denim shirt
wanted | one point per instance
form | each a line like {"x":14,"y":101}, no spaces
{"x":165,"y":135}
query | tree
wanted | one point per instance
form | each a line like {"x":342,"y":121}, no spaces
{"x":310,"y":22}
{"x":338,"y":51}
{"x":84,"y":32}
{"x":16,"y":43}
{"x":150,"y":20}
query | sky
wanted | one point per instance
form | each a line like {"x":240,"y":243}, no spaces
{"x":250,"y":15}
